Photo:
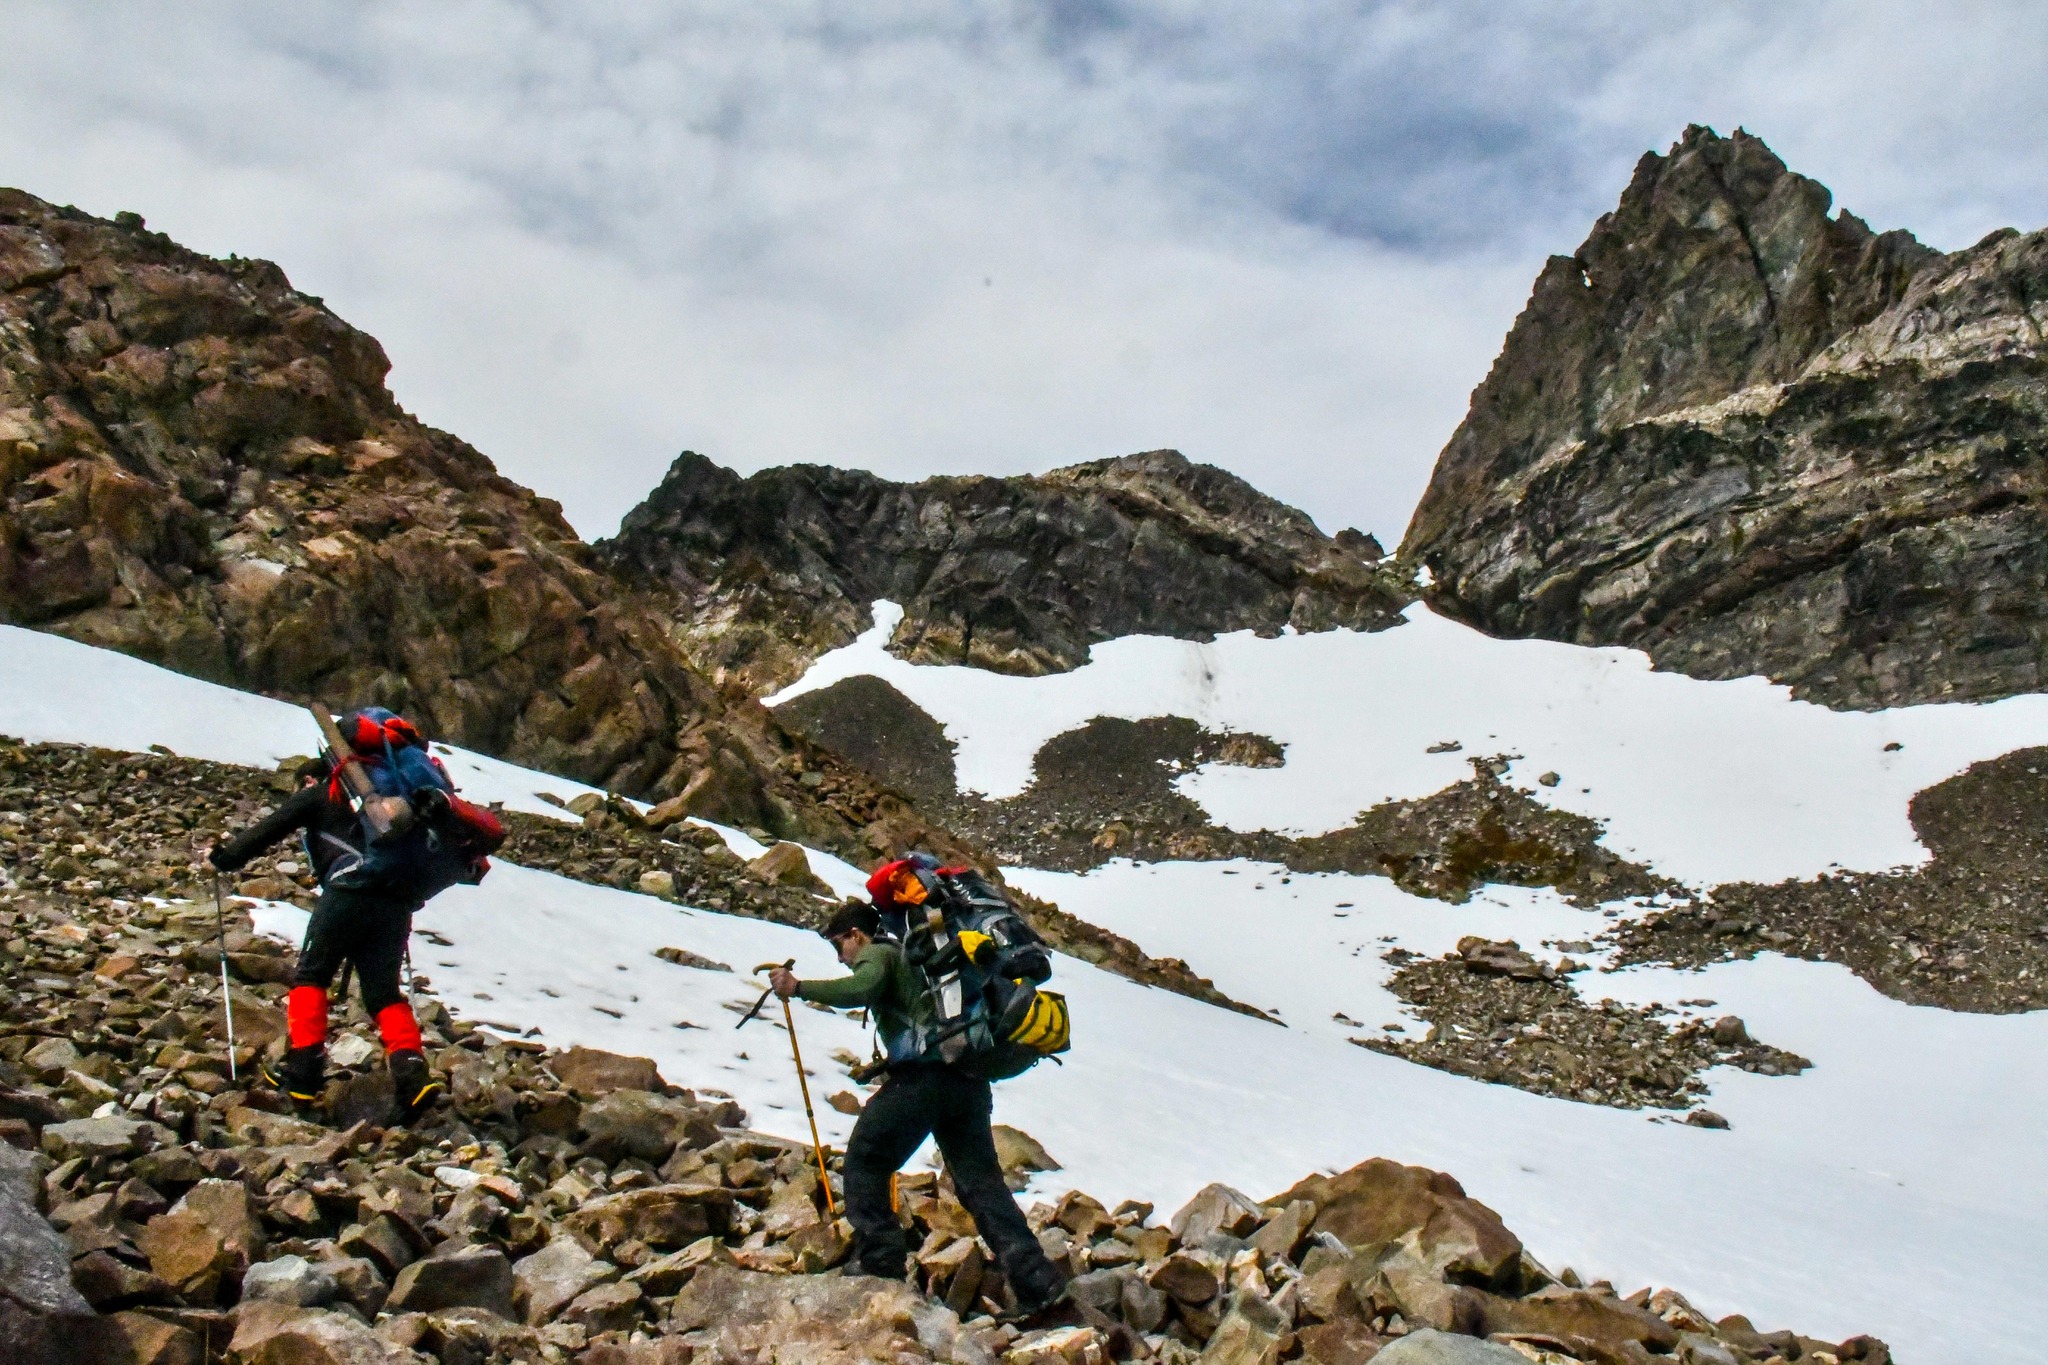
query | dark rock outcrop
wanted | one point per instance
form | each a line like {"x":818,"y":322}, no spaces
{"x":1749,"y":437}
{"x":1019,"y":575}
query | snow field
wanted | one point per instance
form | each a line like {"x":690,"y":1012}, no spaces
{"x":1706,"y":782}
{"x":1898,"y":1182}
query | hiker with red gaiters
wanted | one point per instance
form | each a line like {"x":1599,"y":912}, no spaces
{"x":369,"y":889}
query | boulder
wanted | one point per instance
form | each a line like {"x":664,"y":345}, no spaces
{"x":470,"y":1277}
{"x":389,"y":1241}
{"x":35,"y":1261}
{"x":1250,"y":1334}
{"x":210,"y":1233}
{"x":659,"y":883}
{"x":1502,"y":959}
{"x":1580,"y":1317}
{"x":109,"y":1283}
{"x":1378,"y":1202}
{"x":647,"y":1125}
{"x":549,"y":1280}
{"x":1186,"y":1276}
{"x":728,"y":1313}
{"x":683,"y":957}
{"x":113,"y":1136}
{"x":288,"y":1279}
{"x":1430,"y":1347}
{"x":785,"y":864}
{"x":136,"y":1339}
{"x":1021,"y":1155}
{"x":660,"y":1215}
{"x":1346,"y":1342}
{"x":285,"y":1334}
{"x":606,"y":1308}
{"x":1283,"y":1235}
{"x":591,"y":1073}
{"x":1216,"y":1208}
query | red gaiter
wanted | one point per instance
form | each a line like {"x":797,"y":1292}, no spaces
{"x":305,"y":1016}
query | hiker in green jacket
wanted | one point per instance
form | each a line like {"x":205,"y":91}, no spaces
{"x":919,"y":1099}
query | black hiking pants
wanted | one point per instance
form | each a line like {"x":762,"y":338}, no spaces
{"x":368,"y":928}
{"x":920,"y":1101}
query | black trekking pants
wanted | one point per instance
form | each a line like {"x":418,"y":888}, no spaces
{"x":920,"y":1101}
{"x":365,"y":927}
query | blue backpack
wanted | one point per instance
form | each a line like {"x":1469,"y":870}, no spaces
{"x":419,"y":860}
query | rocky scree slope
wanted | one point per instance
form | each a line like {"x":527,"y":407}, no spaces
{"x":202,"y":467}
{"x":1018,"y":575}
{"x":103,"y":825}
{"x":577,"y":1206}
{"x":1749,"y":437}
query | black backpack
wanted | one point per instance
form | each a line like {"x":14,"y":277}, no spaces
{"x":981,"y":967}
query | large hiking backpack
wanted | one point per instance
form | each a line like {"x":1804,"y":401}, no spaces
{"x":982,"y":968}
{"x":449,"y":844}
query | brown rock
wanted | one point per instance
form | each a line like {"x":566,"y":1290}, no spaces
{"x":470,"y":1277}
{"x":785,"y":864}
{"x":137,"y":1339}
{"x":1284,"y":1234}
{"x":606,"y":1308}
{"x":1249,"y":1334}
{"x":1579,"y":1316}
{"x":285,"y":1334}
{"x":591,"y":1073}
{"x":1378,"y":1202}
{"x":1347,"y":1342}
{"x":660,"y":1216}
{"x":822,"y":1320}
{"x":647,"y":1125}
{"x":211,"y":1232}
{"x":1186,"y":1277}
{"x":549,"y":1280}
{"x":1216,"y":1208}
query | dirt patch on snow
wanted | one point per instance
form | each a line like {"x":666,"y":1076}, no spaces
{"x":1534,"y":1032}
{"x":1107,"y":790}
{"x":1966,"y":931}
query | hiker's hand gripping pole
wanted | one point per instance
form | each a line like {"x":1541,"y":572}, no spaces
{"x":810,"y":1115}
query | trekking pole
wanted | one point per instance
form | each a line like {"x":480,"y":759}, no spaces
{"x":227,"y":1002}
{"x":789,"y":1020}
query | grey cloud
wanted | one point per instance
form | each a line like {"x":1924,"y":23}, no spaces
{"x":1285,"y":237}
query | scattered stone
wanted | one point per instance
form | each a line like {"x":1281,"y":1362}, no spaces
{"x":683,"y":957}
{"x":285,"y":1334}
{"x":288,"y":1279}
{"x":470,"y":1277}
{"x":591,"y":1073}
{"x":786,"y":864}
{"x":1431,"y":1347}
{"x":549,"y":1280}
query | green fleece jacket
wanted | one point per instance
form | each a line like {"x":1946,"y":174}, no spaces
{"x":882,"y":983}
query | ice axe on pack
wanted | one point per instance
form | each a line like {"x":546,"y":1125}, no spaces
{"x":789,"y":1021}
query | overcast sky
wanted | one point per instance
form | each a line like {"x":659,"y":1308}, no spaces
{"x":1285,"y":237}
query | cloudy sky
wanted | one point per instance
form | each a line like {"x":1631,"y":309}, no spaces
{"x":928,"y":236}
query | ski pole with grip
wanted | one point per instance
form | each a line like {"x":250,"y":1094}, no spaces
{"x":227,"y":1001}
{"x":803,"y":1084}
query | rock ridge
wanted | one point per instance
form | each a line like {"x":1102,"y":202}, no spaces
{"x":1019,"y":575}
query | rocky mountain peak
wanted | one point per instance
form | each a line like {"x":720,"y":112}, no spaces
{"x":1719,"y":269}
{"x":1750,"y":437}
{"x":1020,"y":575}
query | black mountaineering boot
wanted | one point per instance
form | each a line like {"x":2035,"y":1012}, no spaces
{"x":301,"y":1076}
{"x":414,"y":1087}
